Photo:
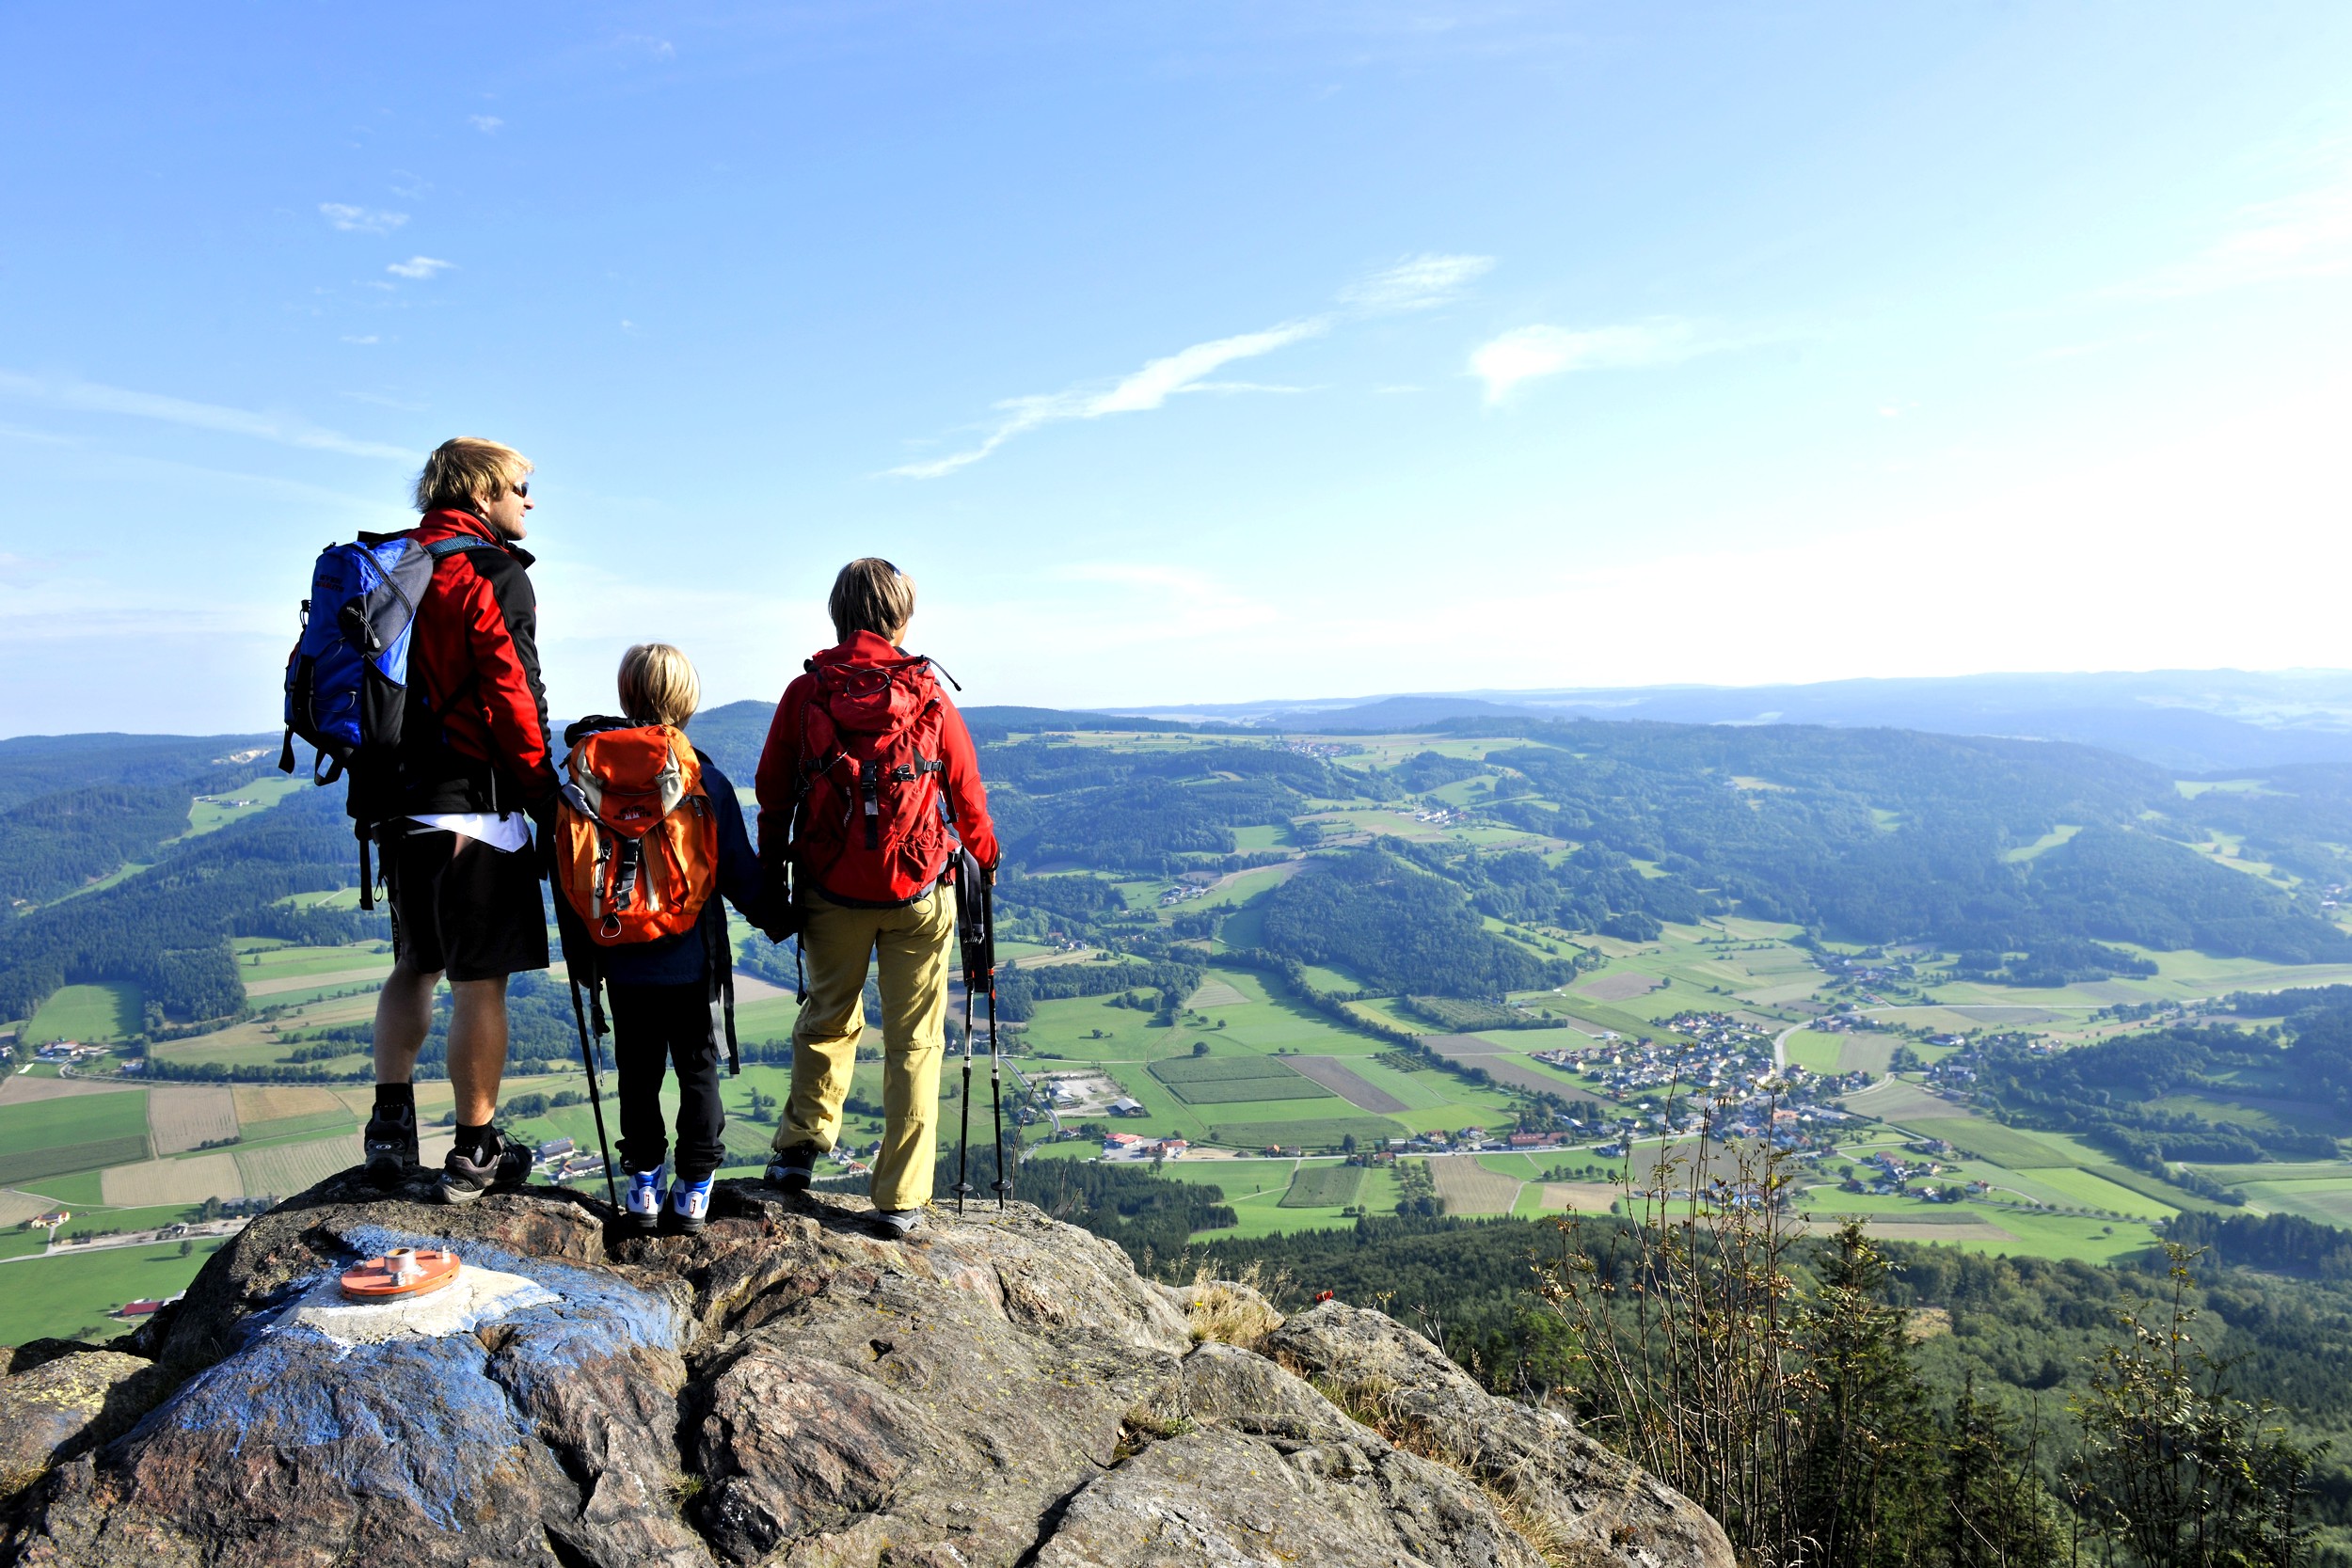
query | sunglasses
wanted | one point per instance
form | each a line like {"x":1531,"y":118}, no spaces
{"x":523,"y":490}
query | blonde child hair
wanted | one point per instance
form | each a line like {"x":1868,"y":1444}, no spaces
{"x":658,"y":684}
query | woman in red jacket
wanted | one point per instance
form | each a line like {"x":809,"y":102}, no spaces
{"x":866,"y":787}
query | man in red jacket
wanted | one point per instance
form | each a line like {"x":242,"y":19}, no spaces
{"x":463,"y":883}
{"x":868,"y":783}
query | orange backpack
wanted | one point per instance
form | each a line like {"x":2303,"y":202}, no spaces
{"x":636,"y":840}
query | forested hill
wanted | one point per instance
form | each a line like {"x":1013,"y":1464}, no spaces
{"x":1986,"y":847}
{"x":2029,"y":859}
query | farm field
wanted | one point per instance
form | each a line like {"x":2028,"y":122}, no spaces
{"x":72,"y":1295}
{"x":99,"y":1012}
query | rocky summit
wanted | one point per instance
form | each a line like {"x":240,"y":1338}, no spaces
{"x":784,"y":1389}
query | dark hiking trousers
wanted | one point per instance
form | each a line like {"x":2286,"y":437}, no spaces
{"x":659,"y":1025}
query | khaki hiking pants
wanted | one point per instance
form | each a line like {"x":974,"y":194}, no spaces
{"x":837,"y":943}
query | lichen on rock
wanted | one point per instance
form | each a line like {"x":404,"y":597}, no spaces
{"x":785,"y":1389}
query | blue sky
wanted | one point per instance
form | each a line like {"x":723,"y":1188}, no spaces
{"x":1200,"y":353}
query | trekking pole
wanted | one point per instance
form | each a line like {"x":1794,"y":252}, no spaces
{"x":967,"y":931}
{"x":596,"y":1097}
{"x":996,"y":1057}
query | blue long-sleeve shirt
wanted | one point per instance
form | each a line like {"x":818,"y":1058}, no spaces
{"x":681,"y":960}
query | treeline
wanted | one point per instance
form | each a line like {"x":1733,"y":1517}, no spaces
{"x":1400,"y":928}
{"x":1057,"y":803}
{"x":1883,"y":836}
{"x":166,"y":929}
{"x":1999,"y":1389}
{"x":31,"y":766}
{"x":541,"y":1027}
{"x":1019,"y":991}
{"x":54,"y":844}
{"x":2106,"y":1091}
{"x":2287,"y":1243}
{"x":1146,"y":1213}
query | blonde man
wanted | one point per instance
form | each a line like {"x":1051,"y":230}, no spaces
{"x":668,"y":994}
{"x":870,"y":776}
{"x":462,"y":887}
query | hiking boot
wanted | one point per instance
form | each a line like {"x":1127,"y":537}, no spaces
{"x":388,"y":1147}
{"x":502,"y":1167}
{"x":690,"y":1203}
{"x":792,"y":1169}
{"x":641,"y":1204}
{"x":896,"y":1224}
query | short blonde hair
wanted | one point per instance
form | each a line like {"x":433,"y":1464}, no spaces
{"x":871,"y":595}
{"x":465,"y":471}
{"x":658,"y":684}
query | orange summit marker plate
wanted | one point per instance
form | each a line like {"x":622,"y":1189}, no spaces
{"x":407,"y":1272}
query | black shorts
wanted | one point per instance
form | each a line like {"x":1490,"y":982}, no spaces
{"x":461,"y":907}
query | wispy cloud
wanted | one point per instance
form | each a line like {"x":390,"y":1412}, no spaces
{"x":484,"y":123}
{"x":1527,"y":354}
{"x":2307,"y":234}
{"x":420,"y":267}
{"x":1416,"y":283}
{"x":360,"y":220}
{"x":284,"y":429}
{"x":361,"y":337}
{"x":1185,"y":370}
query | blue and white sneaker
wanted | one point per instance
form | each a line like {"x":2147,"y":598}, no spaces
{"x":690,"y":1203}
{"x":643,"y":1203}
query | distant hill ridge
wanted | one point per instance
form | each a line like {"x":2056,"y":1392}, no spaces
{"x":2189,"y":720}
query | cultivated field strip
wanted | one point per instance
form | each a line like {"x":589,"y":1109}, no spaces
{"x":16,"y":1207}
{"x":260,"y":1102}
{"x":155,"y":1182}
{"x":1233,"y":1080}
{"x":1323,"y":1187}
{"x":289,"y":1169}
{"x":1624,"y":984}
{"x":1469,"y":1188}
{"x":185,"y":1116}
{"x":1216,"y":993}
{"x":1582,"y":1198}
{"x":22,"y":1089}
{"x":1499,"y":1064}
{"x":1347,"y":1084}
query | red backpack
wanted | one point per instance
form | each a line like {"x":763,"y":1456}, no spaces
{"x":869,"y":825}
{"x":636,"y":840}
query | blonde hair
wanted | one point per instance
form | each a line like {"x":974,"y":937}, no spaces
{"x":659,"y":685}
{"x":871,"y":595}
{"x":467,"y":471}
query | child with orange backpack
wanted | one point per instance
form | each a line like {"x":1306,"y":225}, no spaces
{"x":867,"y":787}
{"x":649,"y":837}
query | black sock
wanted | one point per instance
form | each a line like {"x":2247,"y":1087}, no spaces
{"x":395,"y":1097}
{"x":475,"y":1140}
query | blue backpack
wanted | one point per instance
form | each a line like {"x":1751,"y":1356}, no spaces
{"x":347,"y":679}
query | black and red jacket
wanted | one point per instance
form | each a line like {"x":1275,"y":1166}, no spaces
{"x":481,"y":744}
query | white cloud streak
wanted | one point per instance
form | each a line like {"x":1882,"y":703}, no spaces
{"x":1185,"y":370}
{"x":486,"y":125}
{"x":284,"y":429}
{"x":360,"y":220}
{"x":2307,"y":234}
{"x":420,"y":267}
{"x":1415,"y":283}
{"x":1527,"y":354}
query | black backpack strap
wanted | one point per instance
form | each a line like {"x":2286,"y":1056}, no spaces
{"x":719,"y":965}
